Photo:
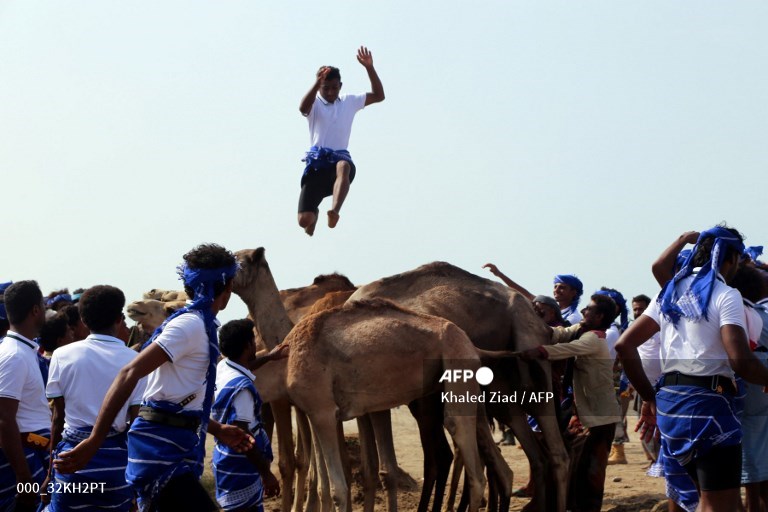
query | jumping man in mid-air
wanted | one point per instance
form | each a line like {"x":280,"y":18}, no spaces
{"x":329,"y":168}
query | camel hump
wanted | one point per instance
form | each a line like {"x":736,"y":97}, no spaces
{"x":328,"y":278}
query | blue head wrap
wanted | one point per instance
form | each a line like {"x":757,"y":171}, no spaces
{"x":3,"y":286}
{"x":202,"y":282}
{"x":53,"y":300}
{"x":618,"y":298}
{"x":681,"y":257}
{"x":692,"y":303}
{"x":575,"y":283}
{"x":754,"y":252}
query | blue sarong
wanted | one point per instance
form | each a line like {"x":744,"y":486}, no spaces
{"x":318,"y":158}
{"x":157,"y":453}
{"x":238,"y":483}
{"x":104,"y":476}
{"x":693,"y":419}
{"x":680,"y":487}
{"x":38,"y":467}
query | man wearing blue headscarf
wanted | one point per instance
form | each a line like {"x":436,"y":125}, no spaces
{"x":701,"y":320}
{"x":166,"y":443}
{"x":567,"y":292}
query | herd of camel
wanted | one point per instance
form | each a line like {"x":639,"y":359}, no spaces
{"x":357,"y":352}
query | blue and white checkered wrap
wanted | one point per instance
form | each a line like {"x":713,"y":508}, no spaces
{"x":320,"y":158}
{"x":680,"y":488}
{"x":38,"y":466}
{"x":238,"y":483}
{"x":157,"y":453}
{"x":693,"y":419}
{"x":106,"y":469}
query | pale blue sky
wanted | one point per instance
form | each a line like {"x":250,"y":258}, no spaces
{"x":547,"y":137}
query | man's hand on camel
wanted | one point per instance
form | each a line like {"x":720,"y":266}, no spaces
{"x":364,"y":57}
{"x":493,"y":269}
{"x":279,"y":352}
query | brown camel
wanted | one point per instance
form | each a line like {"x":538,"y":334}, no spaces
{"x":494,"y":317}
{"x":166,"y":295}
{"x":150,"y":313}
{"x":367,"y":357}
{"x":299,"y":301}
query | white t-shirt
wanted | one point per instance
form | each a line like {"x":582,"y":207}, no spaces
{"x":330,"y":124}
{"x":243,"y":401}
{"x":186,"y":343}
{"x":650,"y":357}
{"x":574,"y":318}
{"x":696,"y":348}
{"x":611,"y":337}
{"x":21,"y":380}
{"x":83,"y":371}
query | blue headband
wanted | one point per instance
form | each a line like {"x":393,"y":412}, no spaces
{"x":692,"y":303}
{"x":680,"y":260}
{"x":3,"y":286}
{"x":574,"y":283}
{"x":53,"y":300}
{"x":754,"y":252}
{"x":618,"y":298}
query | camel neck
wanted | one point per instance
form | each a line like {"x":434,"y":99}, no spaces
{"x":267,"y":311}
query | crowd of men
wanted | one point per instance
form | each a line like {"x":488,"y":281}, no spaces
{"x":87,"y":423}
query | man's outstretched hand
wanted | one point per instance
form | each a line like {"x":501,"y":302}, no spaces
{"x":364,"y":57}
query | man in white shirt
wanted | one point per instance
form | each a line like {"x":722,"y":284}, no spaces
{"x":329,"y":168}
{"x":166,"y":443}
{"x":703,"y":341}
{"x":80,"y":375}
{"x":25,"y":418}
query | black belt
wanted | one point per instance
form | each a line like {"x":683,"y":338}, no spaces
{"x":166,"y":418}
{"x":717,"y":383}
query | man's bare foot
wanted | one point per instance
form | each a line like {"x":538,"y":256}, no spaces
{"x":310,"y":230}
{"x":333,"y":218}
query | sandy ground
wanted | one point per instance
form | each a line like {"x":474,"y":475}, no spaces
{"x":627,"y":487}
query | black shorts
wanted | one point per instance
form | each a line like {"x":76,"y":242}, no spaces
{"x":184,"y":492}
{"x":718,"y":469}
{"x":318,"y":184}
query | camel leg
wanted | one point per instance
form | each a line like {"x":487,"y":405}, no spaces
{"x":458,"y":467}
{"x":536,"y":458}
{"x":328,"y":457}
{"x":345,"y":462}
{"x":303,"y":455}
{"x":313,"y":495}
{"x":555,"y":454}
{"x":369,"y":461}
{"x":499,"y":471}
{"x":463,"y":430}
{"x":428,"y":412}
{"x":385,"y":444}
{"x":281,"y":411}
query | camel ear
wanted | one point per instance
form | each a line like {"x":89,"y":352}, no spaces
{"x":258,"y":255}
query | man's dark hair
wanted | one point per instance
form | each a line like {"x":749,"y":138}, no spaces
{"x":704,"y":251}
{"x":605,"y":307}
{"x":750,"y":283}
{"x":101,"y":307}
{"x":642,"y":298}
{"x":332,"y":73}
{"x":20,"y":298}
{"x":234,"y":337}
{"x":208,"y":256}
{"x":52,"y":330}
{"x":73,"y":315}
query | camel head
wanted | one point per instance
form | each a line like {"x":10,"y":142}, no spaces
{"x":165,"y":295}
{"x":150,"y":313}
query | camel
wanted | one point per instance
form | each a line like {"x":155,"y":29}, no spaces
{"x":165,"y":295}
{"x":150,"y":313}
{"x":298,"y":301}
{"x":369,"y":356}
{"x":494,"y":317}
